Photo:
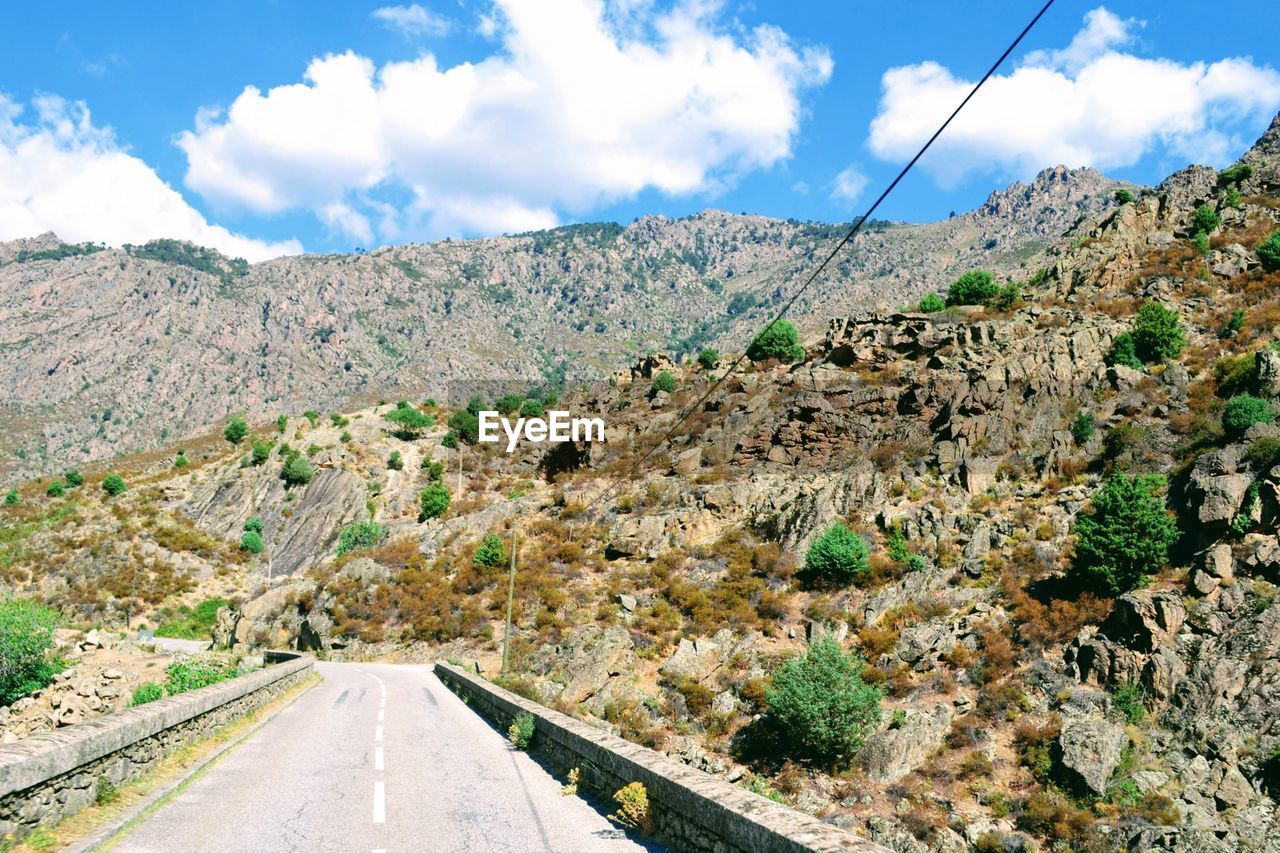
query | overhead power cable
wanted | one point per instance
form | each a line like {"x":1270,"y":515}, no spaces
{"x":844,"y":241}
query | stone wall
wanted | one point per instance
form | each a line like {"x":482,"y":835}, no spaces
{"x":691,"y":810}
{"x":46,"y":777}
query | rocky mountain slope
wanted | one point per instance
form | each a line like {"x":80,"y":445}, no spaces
{"x":1022,"y":709}
{"x":118,"y":350}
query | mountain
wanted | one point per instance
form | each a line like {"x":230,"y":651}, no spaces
{"x":118,"y":350}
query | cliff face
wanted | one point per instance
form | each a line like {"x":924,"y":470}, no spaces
{"x":115,"y":351}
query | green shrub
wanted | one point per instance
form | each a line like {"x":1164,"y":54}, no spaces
{"x":1205,"y":219}
{"x":191,"y":623}
{"x":1123,"y":196}
{"x":251,"y":541}
{"x":1124,"y":352}
{"x":664,"y":381}
{"x":820,"y":705}
{"x":11,"y":498}
{"x":26,"y":637}
{"x":521,"y":731}
{"x":1232,"y":198}
{"x":261,"y":451}
{"x":838,"y":555}
{"x":74,"y":479}
{"x":282,"y":423}
{"x":507,"y":403}
{"x":55,"y":489}
{"x":1234,"y":174}
{"x":532,"y":409}
{"x":708,"y":358}
{"x":409,"y":422}
{"x":780,"y":341}
{"x":931,"y":304}
{"x":976,"y":287}
{"x":1264,"y":454}
{"x":434,"y":469}
{"x":297,"y":470}
{"x":434,"y":502}
{"x":395,"y":461}
{"x":113,"y":485}
{"x":147,"y":691}
{"x":237,"y":428}
{"x":254,"y":524}
{"x":1269,"y":252}
{"x":337,"y":419}
{"x":180,"y":461}
{"x":193,"y":674}
{"x":1233,"y":325}
{"x":466,"y":425}
{"x":312,"y":416}
{"x":345,"y":437}
{"x":1082,"y":427}
{"x":450,"y":440}
{"x":1129,"y":699}
{"x":1157,"y":333}
{"x":1126,"y":536}
{"x":489,"y":552}
{"x":362,"y":534}
{"x":1201,"y":242}
{"x":1007,"y":297}
{"x":1243,"y":411}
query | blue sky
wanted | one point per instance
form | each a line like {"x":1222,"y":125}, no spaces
{"x":369,"y":124}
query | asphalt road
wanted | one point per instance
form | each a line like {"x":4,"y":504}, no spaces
{"x":376,"y":757}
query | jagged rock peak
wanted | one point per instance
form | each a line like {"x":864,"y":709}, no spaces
{"x":1054,"y":185}
{"x":1267,"y":148}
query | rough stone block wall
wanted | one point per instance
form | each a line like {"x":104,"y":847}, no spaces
{"x":691,"y":810}
{"x":50,"y":776}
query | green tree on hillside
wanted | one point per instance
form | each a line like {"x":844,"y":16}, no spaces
{"x":1125,"y":535}
{"x":780,"y":341}
{"x":1157,"y":333}
{"x":113,"y":484}
{"x":976,"y":287}
{"x":237,"y":428}
{"x":409,"y":422}
{"x":297,"y":470}
{"x":1269,"y":252}
{"x":1243,"y":411}
{"x":839,"y":555}
{"x":489,"y":552}
{"x":820,"y":705}
{"x":931,"y":304}
{"x":433,"y":502}
{"x":26,"y":638}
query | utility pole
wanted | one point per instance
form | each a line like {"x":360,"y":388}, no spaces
{"x":459,"y":449}
{"x":511,"y":597}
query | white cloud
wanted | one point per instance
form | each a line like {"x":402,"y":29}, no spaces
{"x":848,"y":185}
{"x":413,"y":20}
{"x":61,"y":173}
{"x":577,"y":109}
{"x":1086,"y":105}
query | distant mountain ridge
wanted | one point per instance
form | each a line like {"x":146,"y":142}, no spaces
{"x":115,"y":350}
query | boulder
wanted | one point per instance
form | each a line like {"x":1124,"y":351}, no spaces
{"x":1090,"y":751}
{"x":892,"y":753}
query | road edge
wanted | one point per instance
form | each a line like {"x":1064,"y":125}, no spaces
{"x":105,"y":835}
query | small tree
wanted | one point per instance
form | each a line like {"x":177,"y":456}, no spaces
{"x":1243,"y":411}
{"x":362,"y":534}
{"x":976,"y":287}
{"x":820,"y":705}
{"x":1269,"y":252}
{"x":780,"y":341}
{"x":489,"y":552}
{"x":1123,"y":196}
{"x":237,"y":428}
{"x":409,"y":422}
{"x":664,"y":381}
{"x":1205,"y":219}
{"x":26,"y":636}
{"x":532,"y":409}
{"x":74,"y":479}
{"x":1007,"y":297}
{"x":708,"y":358}
{"x":1235,"y":174}
{"x":11,"y":498}
{"x":838,"y":555}
{"x":1157,"y":334}
{"x":466,"y":425}
{"x":55,"y":489}
{"x":261,"y":451}
{"x":434,"y":502}
{"x":1082,"y":427}
{"x":251,"y":542}
{"x":254,"y":524}
{"x":434,"y":469}
{"x":931,"y":304}
{"x":282,"y":423}
{"x":1124,"y":351}
{"x":507,"y":403}
{"x":297,"y":470}
{"x":113,"y":485}
{"x":180,"y":461}
{"x":1125,"y":536}
{"x":312,"y":416}
{"x":395,"y":461}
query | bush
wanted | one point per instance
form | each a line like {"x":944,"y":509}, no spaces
{"x":465,"y":424}
{"x":254,"y":524}
{"x":312,"y":416}
{"x":192,"y":675}
{"x":180,"y":461}
{"x":337,"y":419}
{"x":1201,"y":242}
{"x":395,"y":461}
{"x":521,"y":731}
{"x":11,"y":498}
{"x":251,"y":542}
{"x":780,"y":341}
{"x":1264,"y":454}
{"x":1205,"y":219}
{"x":434,"y":469}
{"x":26,"y":636}
{"x":74,"y":479}
{"x":297,"y":470}
{"x":932,"y":303}
{"x":532,"y":409}
{"x":1233,"y":326}
{"x":821,"y":706}
{"x":1007,"y":297}
{"x":1234,"y":174}
{"x":237,"y":428}
{"x":450,"y":440}
{"x":1157,"y":334}
{"x":1124,"y":352}
{"x":976,"y":287}
{"x":261,"y":451}
{"x":362,"y":534}
{"x":113,"y":484}
{"x":1269,"y":252}
{"x":1126,"y":536}
{"x":282,"y":423}
{"x":1128,"y":699}
{"x":191,"y":623}
{"x":708,"y":358}
{"x":1243,"y":411}
{"x":1082,"y":427}
{"x":838,"y":555}
{"x":664,"y":381}
{"x":633,"y":808}
{"x":434,"y":502}
{"x":489,"y":552}
{"x":147,"y":691}
{"x":409,"y":422}
{"x":1123,"y":196}
{"x":55,"y":489}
